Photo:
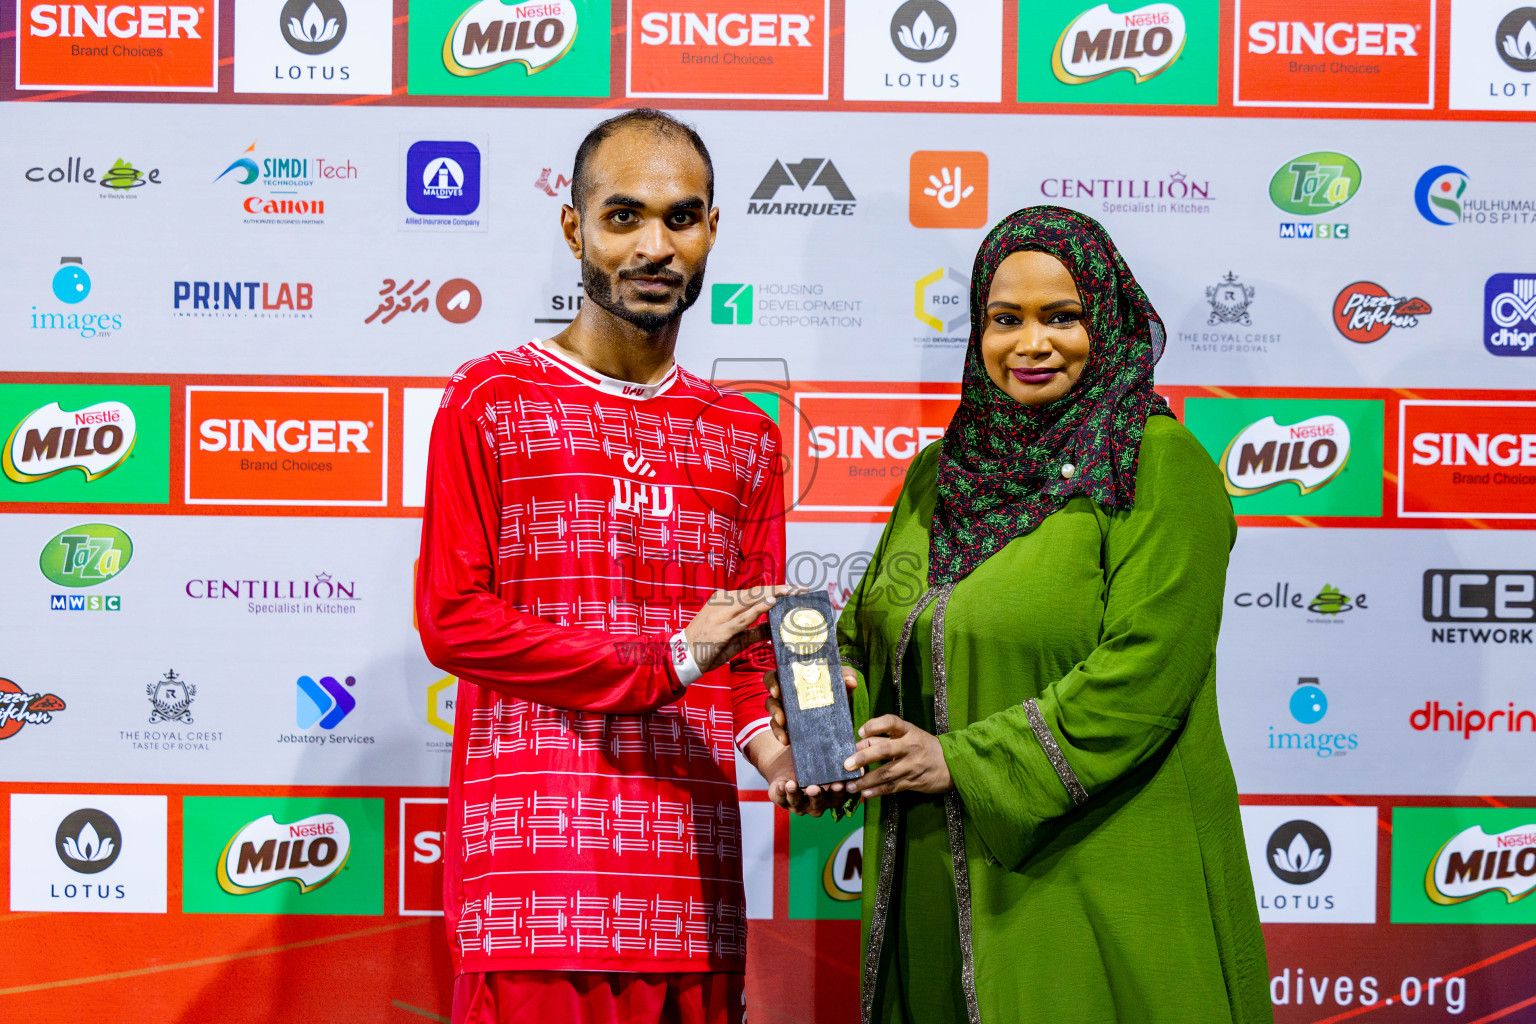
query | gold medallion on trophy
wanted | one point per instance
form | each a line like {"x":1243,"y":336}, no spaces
{"x":804,"y":631}
{"x":813,"y":685}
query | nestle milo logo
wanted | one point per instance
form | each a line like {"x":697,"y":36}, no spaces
{"x":308,"y":852}
{"x":85,"y":555}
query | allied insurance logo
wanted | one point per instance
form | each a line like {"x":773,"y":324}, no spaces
{"x":722,"y":49}
{"x":852,"y":449}
{"x":286,"y":446}
{"x":1342,"y":60}
{"x":1466,"y":459}
{"x":117,"y":47}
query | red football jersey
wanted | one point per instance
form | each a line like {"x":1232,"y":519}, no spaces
{"x":573,"y":524}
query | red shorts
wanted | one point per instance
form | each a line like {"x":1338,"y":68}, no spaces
{"x":558,"y":997}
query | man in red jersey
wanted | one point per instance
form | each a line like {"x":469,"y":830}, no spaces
{"x":602,"y":530}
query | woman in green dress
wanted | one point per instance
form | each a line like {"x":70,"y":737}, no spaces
{"x":1052,"y":830}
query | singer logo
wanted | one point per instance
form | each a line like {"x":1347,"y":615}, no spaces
{"x":1467,"y":459}
{"x":761,"y":49}
{"x":852,"y":450}
{"x":1387,"y":61}
{"x":106,"y":47}
{"x":423,"y":827}
{"x":309,"y":852}
{"x":286,"y":446}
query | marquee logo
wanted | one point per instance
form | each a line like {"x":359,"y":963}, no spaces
{"x":1467,"y":459}
{"x":1267,"y":454}
{"x":1474,"y":862}
{"x":86,"y":555}
{"x":1337,"y":61}
{"x":491,"y":33}
{"x":1509,"y":314}
{"x":812,"y":171}
{"x":116,"y":47}
{"x":728,"y":48}
{"x":95,"y":440}
{"x":19,"y":708}
{"x":1144,"y":42}
{"x":1315,"y":183}
{"x":1365,"y":311}
{"x":308,"y":852}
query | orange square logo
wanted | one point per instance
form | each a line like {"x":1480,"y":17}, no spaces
{"x":728,"y":49}
{"x":287,"y":446}
{"x":948,"y":190}
{"x":118,"y":47}
{"x":1335,"y":53}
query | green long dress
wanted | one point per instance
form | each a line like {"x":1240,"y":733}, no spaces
{"x":1089,"y":867}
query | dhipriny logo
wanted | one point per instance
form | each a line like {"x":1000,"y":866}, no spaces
{"x":1509,"y":315}
{"x":442,"y":179}
{"x":88,"y":841}
{"x":1299,"y":852}
{"x":324,"y":703}
{"x":923,"y":30}
{"x":1438,"y":194}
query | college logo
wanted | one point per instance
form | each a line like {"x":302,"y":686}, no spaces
{"x":498,"y":48}
{"x":88,"y":853}
{"x":1509,"y":314}
{"x":726,"y":49}
{"x":313,"y":46}
{"x":71,"y":286}
{"x":88,"y":841}
{"x":1365,"y":311}
{"x":286,"y":446}
{"x":308,"y":852}
{"x":1144,"y":42}
{"x":442,"y":179}
{"x":812,"y":171}
{"x":1314,"y":184}
{"x":456,"y":300}
{"x":122,"y":47}
{"x":119,"y":181}
{"x":1438,"y":194}
{"x":852,"y":449}
{"x":489,"y":35}
{"x":947,"y":190}
{"x":1329,"y":602}
{"x":1466,"y":459}
{"x":1293,"y":456}
{"x":170,"y":699}
{"x":1387,"y":61}
{"x":86,"y":555}
{"x":95,"y":440}
{"x":324,"y":703}
{"x":19,"y":708}
{"x":1312,"y":864}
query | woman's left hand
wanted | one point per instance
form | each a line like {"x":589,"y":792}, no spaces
{"x":911,"y":759}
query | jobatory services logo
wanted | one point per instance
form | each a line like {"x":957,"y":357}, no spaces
{"x":281,"y":189}
{"x":1337,"y":61}
{"x":1463,"y":865}
{"x":442,"y":185}
{"x":1294,"y":456}
{"x":267,"y":855}
{"x":71,"y":286}
{"x":20,"y":708}
{"x":314,"y":46}
{"x":85,"y":442}
{"x":813,"y":171}
{"x":1509,"y":314}
{"x":1311,"y":185}
{"x":286,"y":446}
{"x":84,"y":556}
{"x":1365,"y":311}
{"x":457,"y":300}
{"x":1313,"y":864}
{"x":729,"y":49}
{"x":324,"y":702}
{"x":423,"y":830}
{"x":1466,"y":459}
{"x":1308,"y":706}
{"x":947,"y":189}
{"x":1118,"y":53}
{"x":1493,"y":55}
{"x":923,"y":51}
{"x":496,"y":48}
{"x":851,"y":449}
{"x":826,"y":867}
{"x":118,"y":179}
{"x":118,"y":47}
{"x":88,"y":853}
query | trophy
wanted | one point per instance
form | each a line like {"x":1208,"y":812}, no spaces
{"x":816,"y":713}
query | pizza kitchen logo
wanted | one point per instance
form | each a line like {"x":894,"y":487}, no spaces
{"x":18,"y":708}
{"x":309,"y":853}
{"x":1266,"y":454}
{"x":1365,"y":311}
{"x":1144,"y":42}
{"x":48,"y":441}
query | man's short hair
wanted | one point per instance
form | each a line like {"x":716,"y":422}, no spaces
{"x":646,"y":119}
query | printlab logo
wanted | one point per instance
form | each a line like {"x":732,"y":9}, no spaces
{"x":947,"y":190}
{"x":1144,"y":42}
{"x":279,"y":300}
{"x":813,"y":171}
{"x":88,"y":841}
{"x":1311,"y":185}
{"x":19,"y":708}
{"x":72,"y":286}
{"x":1299,"y":852}
{"x":325,"y":702}
{"x":923,"y":30}
{"x":1438,"y":194}
{"x":1308,"y":706}
{"x":1365,"y":311}
{"x":313,"y":27}
{"x":1509,"y":315}
{"x":170,"y":699}
{"x":457,"y":300}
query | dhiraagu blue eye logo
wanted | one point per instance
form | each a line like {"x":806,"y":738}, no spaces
{"x":1438,"y":194}
{"x":1304,"y":733}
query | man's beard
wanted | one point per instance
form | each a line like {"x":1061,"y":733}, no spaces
{"x":599,"y":289}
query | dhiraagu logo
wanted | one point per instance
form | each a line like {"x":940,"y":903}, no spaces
{"x":85,"y":443}
{"x":1314,"y":183}
{"x":1294,"y":456}
{"x":260,"y":855}
{"x":86,"y":555}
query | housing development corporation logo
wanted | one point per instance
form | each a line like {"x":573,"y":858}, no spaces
{"x":116,"y":47}
{"x":947,"y":189}
{"x":20,"y":708}
{"x":1438,"y":194}
{"x":1365,"y":311}
{"x":813,"y":171}
{"x":1509,"y":315}
{"x":728,"y":49}
{"x":1342,"y":60}
{"x":1144,"y":42}
{"x":929,"y":51}
{"x":1467,"y":459}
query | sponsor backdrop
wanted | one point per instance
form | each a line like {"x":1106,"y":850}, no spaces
{"x":248,"y":241}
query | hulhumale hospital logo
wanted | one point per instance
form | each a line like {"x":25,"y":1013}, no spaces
{"x":1438,"y":194}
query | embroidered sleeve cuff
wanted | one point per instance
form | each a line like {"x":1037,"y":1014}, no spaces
{"x":682,"y":659}
{"x":1053,"y":753}
{"x":746,"y":735}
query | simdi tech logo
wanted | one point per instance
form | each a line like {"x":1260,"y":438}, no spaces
{"x":281,"y":178}
{"x":286,"y":446}
{"x":85,"y":442}
{"x":1118,"y":53}
{"x":923,"y":51}
{"x":1294,"y":456}
{"x":1493,"y":55}
{"x":1466,"y":459}
{"x":497,"y":48}
{"x":117,"y":47}
{"x":1463,"y":865}
{"x":1378,"y":55}
{"x":314,"y":46}
{"x":261,"y":855}
{"x":729,"y":49}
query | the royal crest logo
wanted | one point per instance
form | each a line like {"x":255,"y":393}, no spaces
{"x":309,"y":852}
{"x":1365,"y":311}
{"x":48,"y":441}
{"x":492,"y":33}
{"x":1266,"y":454}
{"x":1474,"y":862}
{"x":1144,"y":42}
{"x":1229,"y":299}
{"x":19,"y":708}
{"x":171,"y":699}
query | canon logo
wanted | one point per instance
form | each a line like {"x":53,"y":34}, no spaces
{"x":124,"y":21}
{"x":678,"y":28}
{"x":1456,"y":449}
{"x":1341,"y":38}
{"x":873,"y":442}
{"x":238,"y":435}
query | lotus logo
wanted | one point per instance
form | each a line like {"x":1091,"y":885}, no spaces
{"x":313,"y":26}
{"x":1515,"y":39}
{"x":1438,"y":194}
{"x":923,"y":30}
{"x":88,"y":841}
{"x":1474,"y":862}
{"x":309,"y":852}
{"x":1299,"y":852}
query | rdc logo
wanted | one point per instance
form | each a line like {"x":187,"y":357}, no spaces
{"x":1509,"y":314}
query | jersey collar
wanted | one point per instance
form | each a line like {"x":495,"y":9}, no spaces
{"x":610,"y":385}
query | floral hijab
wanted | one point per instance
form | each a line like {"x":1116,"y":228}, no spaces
{"x":1001,"y":463}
